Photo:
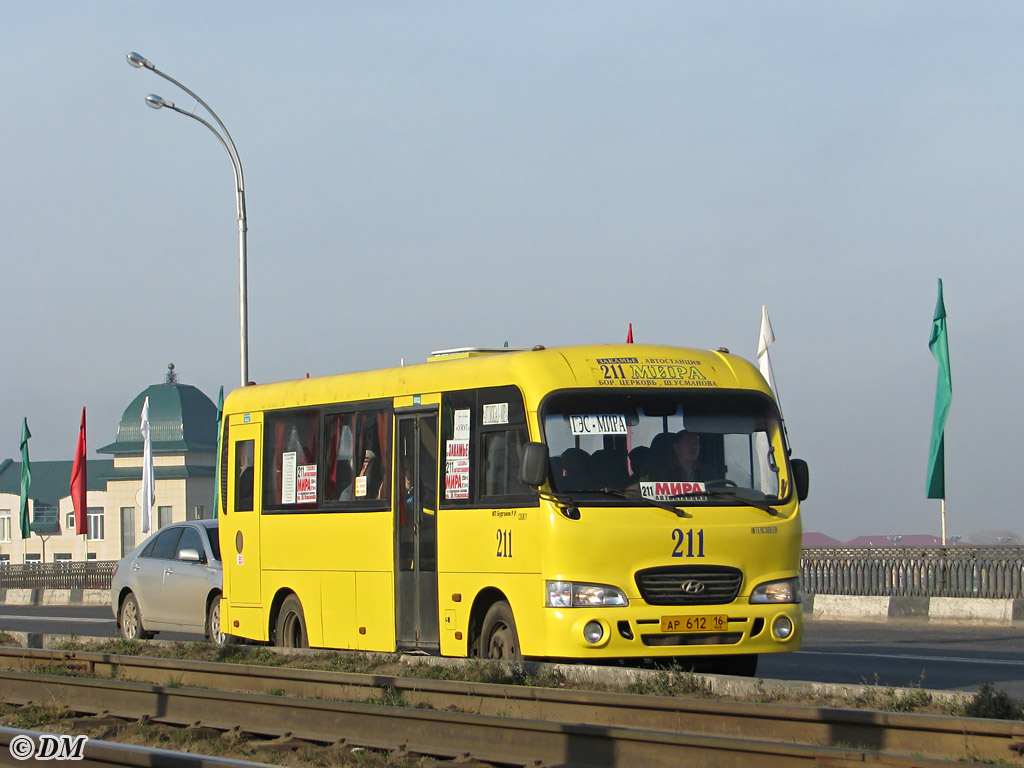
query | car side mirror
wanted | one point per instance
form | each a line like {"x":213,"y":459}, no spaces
{"x":533,"y":465}
{"x":801,"y":477}
{"x":189,"y":555}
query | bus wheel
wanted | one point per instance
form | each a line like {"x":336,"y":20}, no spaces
{"x":741,"y":665}
{"x":291,"y":625}
{"x":498,"y":637}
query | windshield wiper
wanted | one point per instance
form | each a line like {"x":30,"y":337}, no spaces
{"x":667,"y":505}
{"x":764,"y":506}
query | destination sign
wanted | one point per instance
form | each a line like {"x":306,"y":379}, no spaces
{"x":598,"y":424}
{"x":651,"y":372}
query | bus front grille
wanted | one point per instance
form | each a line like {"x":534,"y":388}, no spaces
{"x":689,"y":584}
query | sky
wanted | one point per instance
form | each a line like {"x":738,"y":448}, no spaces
{"x":423,"y":176}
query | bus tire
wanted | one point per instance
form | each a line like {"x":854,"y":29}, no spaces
{"x":291,"y":625}
{"x":498,"y":637}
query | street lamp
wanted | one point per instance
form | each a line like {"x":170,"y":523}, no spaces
{"x":157,"y":102}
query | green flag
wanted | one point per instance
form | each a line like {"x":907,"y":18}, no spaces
{"x":26,"y":479}
{"x":939,"y":345}
{"x":216,"y":477}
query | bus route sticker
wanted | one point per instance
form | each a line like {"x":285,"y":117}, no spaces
{"x":672,"y":491}
{"x":495,"y":413}
{"x":456,"y":472}
{"x":305,"y":484}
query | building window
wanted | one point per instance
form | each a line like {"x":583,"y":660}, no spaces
{"x":95,"y":520}
{"x":198,"y":512}
{"x":62,"y":557}
{"x":90,"y":556}
{"x":70,"y":526}
{"x":163,"y":516}
{"x":5,"y":525}
{"x":5,"y":559}
{"x":127,"y":530}
{"x":33,"y":558}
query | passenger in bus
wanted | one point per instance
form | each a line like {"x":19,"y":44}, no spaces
{"x":576,"y":471}
{"x":609,"y":469}
{"x":366,"y":484}
{"x":639,"y":464}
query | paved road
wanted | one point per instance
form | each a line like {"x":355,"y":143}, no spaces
{"x":889,"y":653}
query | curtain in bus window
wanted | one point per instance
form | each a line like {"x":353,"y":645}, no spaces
{"x":383,"y":420}
{"x":339,"y":455}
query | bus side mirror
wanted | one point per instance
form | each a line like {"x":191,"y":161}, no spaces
{"x":801,"y":477}
{"x":533,"y":465}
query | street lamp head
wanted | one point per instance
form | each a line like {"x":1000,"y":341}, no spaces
{"x":137,"y":60}
{"x":156,"y":102}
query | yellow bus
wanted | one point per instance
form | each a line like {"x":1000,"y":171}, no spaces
{"x":610,"y":502}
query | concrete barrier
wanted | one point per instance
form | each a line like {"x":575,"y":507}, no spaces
{"x":940,"y":610}
{"x":55,"y":596}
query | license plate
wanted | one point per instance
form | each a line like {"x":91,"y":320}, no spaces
{"x":714,"y":623}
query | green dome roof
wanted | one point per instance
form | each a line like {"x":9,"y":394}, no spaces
{"x":181,"y":418}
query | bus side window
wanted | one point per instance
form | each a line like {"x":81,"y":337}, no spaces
{"x":244,"y":479}
{"x":290,"y":470}
{"x":357,"y":456}
{"x":501,"y":456}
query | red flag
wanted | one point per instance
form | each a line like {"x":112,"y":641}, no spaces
{"x":79,"y":481}
{"x":629,"y":336}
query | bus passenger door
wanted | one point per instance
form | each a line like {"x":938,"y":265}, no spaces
{"x":240,"y":548}
{"x":416,"y":604}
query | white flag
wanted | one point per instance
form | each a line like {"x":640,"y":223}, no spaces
{"x":148,"y":485}
{"x":767,"y":462}
{"x":764,"y":362}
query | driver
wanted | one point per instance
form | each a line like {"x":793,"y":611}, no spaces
{"x":687,"y":451}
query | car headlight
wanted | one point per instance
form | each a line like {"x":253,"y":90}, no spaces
{"x":784,"y":591}
{"x":569,"y":594}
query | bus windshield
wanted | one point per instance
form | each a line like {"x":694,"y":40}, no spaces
{"x":701,"y":447}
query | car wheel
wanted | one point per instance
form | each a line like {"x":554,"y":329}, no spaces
{"x":130,"y":622}
{"x":498,"y":636}
{"x":214,"y":631}
{"x":291,"y":625}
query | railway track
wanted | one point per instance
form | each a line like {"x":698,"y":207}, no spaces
{"x":507,"y":725}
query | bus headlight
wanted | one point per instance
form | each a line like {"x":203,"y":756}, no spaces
{"x":784,"y":591}
{"x":568,"y":594}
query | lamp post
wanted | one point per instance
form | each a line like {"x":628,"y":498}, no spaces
{"x":156,"y":102}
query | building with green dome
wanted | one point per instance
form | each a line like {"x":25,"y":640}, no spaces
{"x":183,"y":430}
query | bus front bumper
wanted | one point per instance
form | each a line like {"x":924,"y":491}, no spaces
{"x":653,"y":631}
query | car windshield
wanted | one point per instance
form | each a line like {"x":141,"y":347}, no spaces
{"x":211,"y":534}
{"x":699,"y":447}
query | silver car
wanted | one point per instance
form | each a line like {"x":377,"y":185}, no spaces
{"x":171,"y":583}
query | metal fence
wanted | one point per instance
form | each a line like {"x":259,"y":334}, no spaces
{"x":994,"y":572}
{"x":92,"y":574}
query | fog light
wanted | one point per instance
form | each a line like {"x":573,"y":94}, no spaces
{"x":782,"y":627}
{"x":593,"y":632}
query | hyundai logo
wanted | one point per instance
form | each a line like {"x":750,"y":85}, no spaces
{"x":692,"y":587}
